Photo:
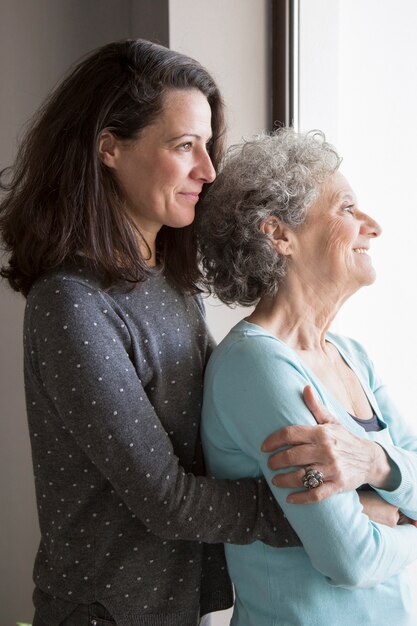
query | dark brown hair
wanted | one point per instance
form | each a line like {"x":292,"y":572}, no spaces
{"x":61,"y":200}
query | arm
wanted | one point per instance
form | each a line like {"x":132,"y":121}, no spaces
{"x":85,"y":369}
{"x":390,"y":469}
{"x":403,"y":452}
{"x":377,"y":509}
{"x":259,"y":380}
{"x":346,"y":460}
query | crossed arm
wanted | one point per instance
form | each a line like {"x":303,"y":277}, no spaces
{"x":346,"y":461}
{"x":233,"y":437}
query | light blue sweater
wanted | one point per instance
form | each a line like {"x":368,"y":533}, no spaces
{"x":350,"y":570}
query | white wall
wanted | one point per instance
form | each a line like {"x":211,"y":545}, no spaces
{"x":319,"y":66}
{"x":230,"y":38}
{"x":358,"y":83}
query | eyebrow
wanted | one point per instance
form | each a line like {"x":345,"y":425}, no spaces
{"x":188,"y":135}
{"x":345,"y":195}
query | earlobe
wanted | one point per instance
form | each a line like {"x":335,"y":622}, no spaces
{"x":108,"y":149}
{"x":279,"y":235}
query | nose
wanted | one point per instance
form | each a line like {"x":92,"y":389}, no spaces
{"x":371,"y":228}
{"x":204,"y":169}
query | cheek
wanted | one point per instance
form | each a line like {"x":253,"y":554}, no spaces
{"x":339,"y":238}
{"x":165,"y":182}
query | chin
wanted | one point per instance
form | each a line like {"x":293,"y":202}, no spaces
{"x":181,"y":223}
{"x":372,"y":276}
{"x":368,"y":280}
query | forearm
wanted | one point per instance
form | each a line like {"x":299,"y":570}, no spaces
{"x":404,"y":493}
{"x":220,"y":511}
{"x":349,"y":549}
{"x":402,"y":455}
{"x":383,"y":472}
{"x":377,"y":509}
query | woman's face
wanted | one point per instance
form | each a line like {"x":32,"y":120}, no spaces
{"x":161,"y":174}
{"x":334,"y":242}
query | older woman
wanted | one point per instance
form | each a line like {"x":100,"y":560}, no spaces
{"x":281,"y":228}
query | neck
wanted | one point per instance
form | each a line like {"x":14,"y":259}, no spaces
{"x":148,"y":251}
{"x":146,"y":240}
{"x":300,"y":314}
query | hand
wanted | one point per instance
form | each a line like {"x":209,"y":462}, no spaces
{"x":346,"y":461}
{"x":378,"y":510}
{"x":406,"y":520}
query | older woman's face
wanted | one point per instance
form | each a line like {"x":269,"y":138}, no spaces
{"x":334,"y":242}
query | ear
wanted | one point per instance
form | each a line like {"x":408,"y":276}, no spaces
{"x":108,"y":149}
{"x":279,"y":235}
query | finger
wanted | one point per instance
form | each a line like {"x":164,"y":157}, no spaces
{"x":297,"y":434}
{"x":311,"y":496}
{"x":289,"y":436}
{"x":320,"y":413}
{"x":301,"y":455}
{"x":403,"y":519}
{"x":295,"y":479}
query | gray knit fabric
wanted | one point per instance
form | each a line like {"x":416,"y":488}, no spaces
{"x":113,"y":388}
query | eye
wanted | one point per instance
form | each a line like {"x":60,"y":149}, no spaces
{"x":349,"y":209}
{"x":186,"y":146}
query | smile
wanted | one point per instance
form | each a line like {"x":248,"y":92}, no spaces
{"x":361,"y":250}
{"x":190,"y":194}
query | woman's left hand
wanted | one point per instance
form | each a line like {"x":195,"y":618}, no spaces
{"x":406,"y":520}
{"x":378,"y":510}
{"x":345,"y":460}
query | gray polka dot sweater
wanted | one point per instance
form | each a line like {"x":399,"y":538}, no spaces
{"x":113,"y":388}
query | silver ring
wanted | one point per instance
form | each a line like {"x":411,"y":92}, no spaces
{"x":312,"y":478}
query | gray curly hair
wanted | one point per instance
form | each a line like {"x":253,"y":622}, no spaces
{"x":276,"y":174}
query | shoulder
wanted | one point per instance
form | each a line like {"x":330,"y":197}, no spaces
{"x":253,"y":385}
{"x":250,"y":357}
{"x":70,"y":298}
{"x":249,"y":342}
{"x":65,"y":282}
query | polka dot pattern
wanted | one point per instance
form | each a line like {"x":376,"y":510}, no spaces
{"x":114,"y":386}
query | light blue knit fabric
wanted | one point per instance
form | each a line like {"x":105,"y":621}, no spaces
{"x":350,"y":570}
